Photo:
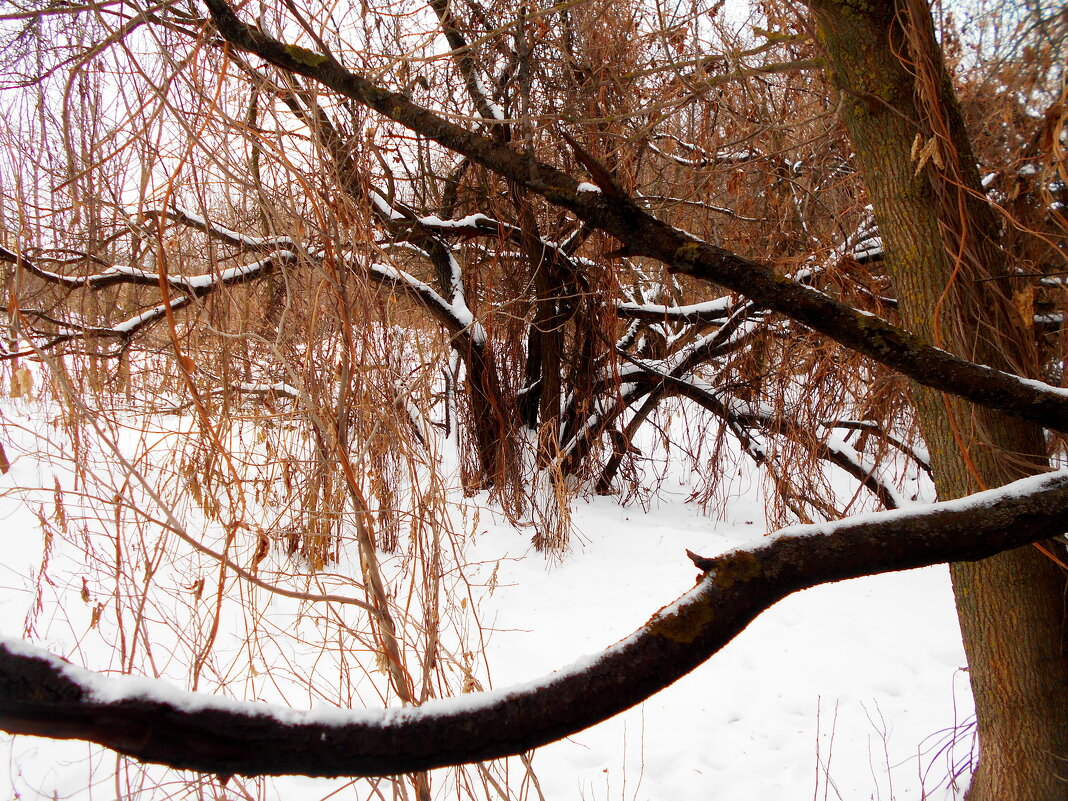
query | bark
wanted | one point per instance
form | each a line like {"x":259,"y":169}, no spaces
{"x":940,"y":238}
{"x":489,"y":416}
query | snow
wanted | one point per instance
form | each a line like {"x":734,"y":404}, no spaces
{"x":278,"y":387}
{"x":378,"y":198}
{"x":470,"y":221}
{"x":814,"y":675}
{"x":587,"y":187}
{"x":719,"y":307}
{"x":977,"y":501}
{"x":868,"y":249}
{"x":12,"y":257}
{"x":843,"y":691}
{"x":231,"y":274}
{"x":100,"y":688}
{"x":480,"y":89}
{"x":1039,"y":386}
{"x":221,"y":231}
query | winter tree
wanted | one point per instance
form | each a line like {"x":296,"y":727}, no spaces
{"x":837,"y":230}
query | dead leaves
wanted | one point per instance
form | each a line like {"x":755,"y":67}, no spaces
{"x":924,"y":152}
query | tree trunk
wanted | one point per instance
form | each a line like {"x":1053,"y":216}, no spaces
{"x":940,"y":241}
{"x":489,"y":419}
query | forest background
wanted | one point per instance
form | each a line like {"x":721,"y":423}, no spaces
{"x":303,"y":295}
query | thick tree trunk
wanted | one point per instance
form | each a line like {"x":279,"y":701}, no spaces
{"x":543,"y":382}
{"x":939,"y":236}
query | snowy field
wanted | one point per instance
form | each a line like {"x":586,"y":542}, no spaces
{"x":849,"y":691}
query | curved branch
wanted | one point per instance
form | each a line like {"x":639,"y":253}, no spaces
{"x":43,"y":695}
{"x":644,"y":235}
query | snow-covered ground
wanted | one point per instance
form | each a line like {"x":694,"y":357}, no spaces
{"x":849,"y":691}
{"x":843,"y":691}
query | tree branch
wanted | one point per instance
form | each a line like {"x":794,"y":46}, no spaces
{"x":644,"y":235}
{"x":198,"y":285}
{"x":41,"y":694}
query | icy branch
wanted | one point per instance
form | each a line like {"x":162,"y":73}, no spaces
{"x":473,"y":225}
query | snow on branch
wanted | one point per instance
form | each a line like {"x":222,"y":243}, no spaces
{"x":749,"y":422}
{"x":703,"y":157}
{"x":279,"y":389}
{"x":710,"y":311}
{"x":43,"y":695}
{"x":221,"y":232}
{"x":20,"y":259}
{"x":122,"y":331}
{"x":644,"y":235}
{"x":198,"y":285}
{"x":399,"y":215}
{"x":837,"y":451}
{"x":190,"y":286}
{"x":463,"y":55}
{"x":456,"y":316}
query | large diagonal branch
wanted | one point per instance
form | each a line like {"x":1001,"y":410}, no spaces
{"x":644,"y":235}
{"x":41,"y":694}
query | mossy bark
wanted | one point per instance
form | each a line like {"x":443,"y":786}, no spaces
{"x":940,"y":240}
